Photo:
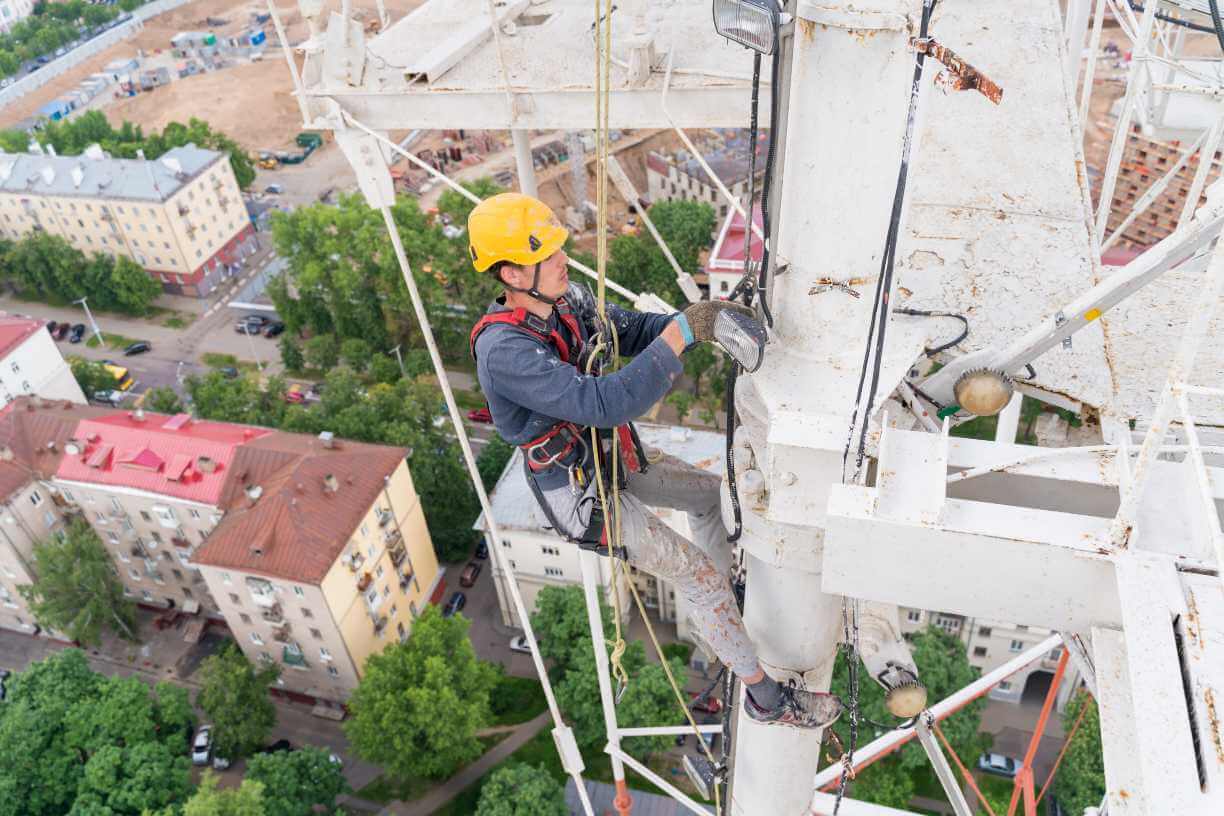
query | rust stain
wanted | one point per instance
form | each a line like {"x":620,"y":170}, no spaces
{"x":807,"y":29}
{"x":1193,"y":627}
{"x":1123,"y":793}
{"x":1209,"y":698}
{"x":960,"y":75}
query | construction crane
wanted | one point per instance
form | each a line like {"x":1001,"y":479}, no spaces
{"x":929,"y":165}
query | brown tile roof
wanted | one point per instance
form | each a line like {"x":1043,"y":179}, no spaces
{"x":32,"y":436}
{"x":296,"y":528}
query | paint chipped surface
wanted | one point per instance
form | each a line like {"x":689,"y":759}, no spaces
{"x":1213,"y":720}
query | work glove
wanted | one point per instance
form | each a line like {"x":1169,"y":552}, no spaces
{"x":697,"y":321}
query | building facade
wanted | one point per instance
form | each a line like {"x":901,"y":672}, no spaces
{"x":679,"y":176}
{"x":313,"y":551}
{"x":31,"y":363}
{"x":13,"y":12}
{"x":180,"y":217}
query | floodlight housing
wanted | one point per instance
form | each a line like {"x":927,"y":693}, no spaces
{"x":743,"y":338}
{"x":983,"y":391}
{"x":751,"y":23}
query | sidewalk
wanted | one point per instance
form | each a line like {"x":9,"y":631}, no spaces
{"x":452,"y":787}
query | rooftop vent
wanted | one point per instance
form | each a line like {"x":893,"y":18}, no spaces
{"x":256,"y":550}
{"x":94,"y":152}
{"x":254,"y":492}
{"x":73,"y":446}
{"x":48,"y":174}
{"x":327,"y":439}
{"x":330,"y":483}
{"x":206,"y":464}
{"x":137,"y":415}
{"x":6,"y":453}
{"x":78,"y":175}
{"x":51,"y":446}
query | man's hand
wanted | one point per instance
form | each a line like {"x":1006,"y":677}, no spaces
{"x":700,"y":317}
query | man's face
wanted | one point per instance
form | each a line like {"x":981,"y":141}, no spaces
{"x":554,"y":275}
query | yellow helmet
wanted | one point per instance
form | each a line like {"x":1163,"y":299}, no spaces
{"x":513,"y":227}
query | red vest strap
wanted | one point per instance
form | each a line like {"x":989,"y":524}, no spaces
{"x":518,"y":318}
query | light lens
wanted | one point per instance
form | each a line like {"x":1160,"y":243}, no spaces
{"x":751,"y":23}
{"x":983,"y":392}
{"x":742,"y":337}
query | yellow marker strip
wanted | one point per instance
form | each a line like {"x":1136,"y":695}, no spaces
{"x":1092,"y":314}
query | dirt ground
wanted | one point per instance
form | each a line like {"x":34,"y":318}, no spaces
{"x":250,"y":102}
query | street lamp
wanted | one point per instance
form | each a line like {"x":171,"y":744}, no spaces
{"x":246,"y":329}
{"x":88,"y":314}
{"x":399,"y":359}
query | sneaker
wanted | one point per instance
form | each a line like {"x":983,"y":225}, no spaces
{"x":799,"y":709}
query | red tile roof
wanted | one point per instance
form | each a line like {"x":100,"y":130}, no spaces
{"x":143,"y":444}
{"x":730,"y":249}
{"x":15,"y":330}
{"x":33,"y":433}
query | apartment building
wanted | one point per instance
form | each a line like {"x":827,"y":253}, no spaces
{"x":313,"y":550}
{"x":181,"y":216}
{"x":541,"y":559}
{"x":13,"y":12}
{"x":31,"y":363}
{"x":679,"y":176}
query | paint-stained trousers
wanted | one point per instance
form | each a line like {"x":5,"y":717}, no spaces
{"x":698,"y":569}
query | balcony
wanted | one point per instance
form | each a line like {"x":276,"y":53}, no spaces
{"x":138,"y":551}
{"x":380,"y":624}
{"x":181,"y":543}
{"x":273,"y":613}
{"x":398,"y":555}
{"x":384,"y":516}
{"x":363,"y":583}
{"x":292,"y":655}
{"x":355,"y":561}
{"x":183,"y":209}
{"x":393,"y":537}
{"x":281,"y":634}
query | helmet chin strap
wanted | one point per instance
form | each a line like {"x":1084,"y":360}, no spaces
{"x":533,"y":291}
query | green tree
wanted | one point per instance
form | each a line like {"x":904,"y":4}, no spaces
{"x":356,"y":353}
{"x":322,"y":352}
{"x":418,"y":707}
{"x":291,"y":354}
{"x":131,"y":288}
{"x":132,"y":780}
{"x":492,"y":460}
{"x":636,"y":262}
{"x":76,"y":590}
{"x":522,"y":790}
{"x":164,"y":400}
{"x":560,"y":622}
{"x":1081,"y":778}
{"x":212,"y":800}
{"x":384,"y":369}
{"x":457,"y":207}
{"x":234,"y":695}
{"x":176,"y":719}
{"x":90,"y":375}
{"x":944,"y":668}
{"x":238,"y":400}
{"x":296,"y":781}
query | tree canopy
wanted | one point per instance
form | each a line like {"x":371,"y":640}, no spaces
{"x":76,"y":742}
{"x":1081,"y":777}
{"x":76,"y":590}
{"x":636,"y":262}
{"x":420,"y":703}
{"x":234,"y":695}
{"x":91,"y":376}
{"x":521,"y":790}
{"x":49,"y":26}
{"x":211,"y":800}
{"x":294,"y":782}
{"x":48,"y":267}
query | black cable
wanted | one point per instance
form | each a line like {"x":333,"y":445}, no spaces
{"x":931,"y":352}
{"x":775,"y":71}
{"x":1168,"y":18}
{"x":732,"y":490}
{"x":1216,"y":25}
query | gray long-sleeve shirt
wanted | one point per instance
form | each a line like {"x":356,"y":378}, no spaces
{"x":530,"y":389}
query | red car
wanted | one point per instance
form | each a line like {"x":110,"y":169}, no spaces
{"x":480,"y":415}
{"x":710,"y":705}
{"x":470,"y":573}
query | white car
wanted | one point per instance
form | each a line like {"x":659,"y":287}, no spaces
{"x":220,"y":763}
{"x":519,"y":644}
{"x":201,"y":746}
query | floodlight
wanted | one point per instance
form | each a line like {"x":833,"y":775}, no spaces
{"x":983,"y":391}
{"x":905,"y":696}
{"x":742,"y":337}
{"x":751,"y":23}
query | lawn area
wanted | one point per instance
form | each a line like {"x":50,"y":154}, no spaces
{"x":214,"y":360}
{"x":516,"y":700}
{"x":113,"y":341}
{"x":386,"y":788}
{"x":178,"y":320}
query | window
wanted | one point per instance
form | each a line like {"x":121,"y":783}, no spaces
{"x":372,"y":596}
{"x":1005,"y":685}
{"x":984,"y":631}
{"x":324,"y":654}
{"x":245,"y":618}
{"x":316,"y":634}
{"x":256,"y":639}
{"x":225,"y":577}
{"x":555,"y":573}
{"x":1016,"y":646}
{"x":306,"y":613}
{"x":49,"y":519}
{"x":177,"y":573}
{"x":378,"y":571}
{"x":394,"y":610}
{"x":298,"y":591}
{"x":365,"y":531}
{"x":112,"y":537}
{"x":135,"y":573}
{"x":332,"y":671}
{"x":146,"y":594}
{"x":165,"y":516}
{"x":146,"y":516}
{"x":35,"y":498}
{"x":16,"y":368}
{"x":547,"y":550}
{"x":913,"y":615}
{"x":506,"y":543}
{"x":979,"y":651}
{"x":66,"y":494}
{"x":386,"y":590}
{"x":115,"y":505}
{"x":235,"y":600}
{"x":412,"y":609}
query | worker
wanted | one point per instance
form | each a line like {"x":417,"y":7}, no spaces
{"x":533,"y":351}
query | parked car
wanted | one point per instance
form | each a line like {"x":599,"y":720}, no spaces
{"x":220,"y":763}
{"x":999,"y":765}
{"x":4,"y":676}
{"x":61,"y":331}
{"x":274,"y":189}
{"x":708,"y":705}
{"x":296,"y":394}
{"x":137,"y":348}
{"x":228,"y":372}
{"x":251,"y":324}
{"x":482,"y":549}
{"x":456,"y":602}
{"x":480,"y":415}
{"x":112,"y":398}
{"x":276,"y":747}
{"x":51,"y":327}
{"x":274,"y":328}
{"x":78,"y":331}
{"x":519,"y":644}
{"x":201,"y":746}
{"x":470,"y":573}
